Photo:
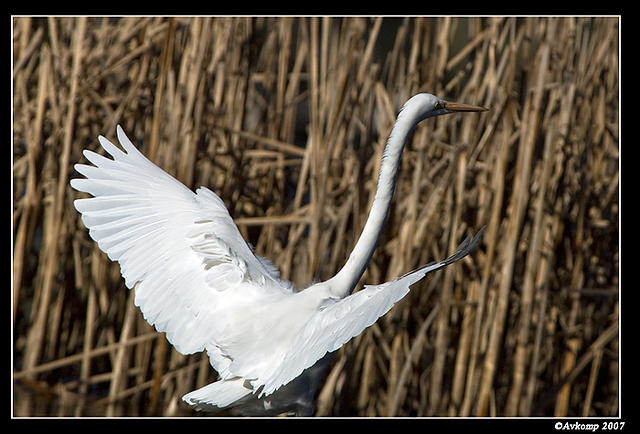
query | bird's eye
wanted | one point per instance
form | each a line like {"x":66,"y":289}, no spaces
{"x":438,"y":106}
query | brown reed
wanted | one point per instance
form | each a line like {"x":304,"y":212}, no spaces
{"x":286,"y":119}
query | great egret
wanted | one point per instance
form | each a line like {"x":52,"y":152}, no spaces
{"x":196,"y":279}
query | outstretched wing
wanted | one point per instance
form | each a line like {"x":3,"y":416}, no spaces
{"x":181,"y":250}
{"x":335,"y":323}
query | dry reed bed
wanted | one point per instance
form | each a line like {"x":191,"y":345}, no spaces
{"x":286,"y":120}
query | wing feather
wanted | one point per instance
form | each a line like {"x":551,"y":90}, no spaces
{"x":179,"y":249}
{"x":339,"y":320}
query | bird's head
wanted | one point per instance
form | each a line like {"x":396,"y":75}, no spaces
{"x":426,"y":106}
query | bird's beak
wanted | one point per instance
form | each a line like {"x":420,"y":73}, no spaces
{"x":458,"y":107}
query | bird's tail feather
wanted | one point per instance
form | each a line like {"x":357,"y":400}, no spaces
{"x":219,"y":394}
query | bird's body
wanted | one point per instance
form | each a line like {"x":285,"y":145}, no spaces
{"x":196,"y":279}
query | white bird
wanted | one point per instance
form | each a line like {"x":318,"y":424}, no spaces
{"x":197,"y":280}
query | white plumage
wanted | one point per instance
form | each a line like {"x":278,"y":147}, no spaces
{"x":196,"y":279}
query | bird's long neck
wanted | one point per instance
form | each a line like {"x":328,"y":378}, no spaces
{"x":347,"y":278}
